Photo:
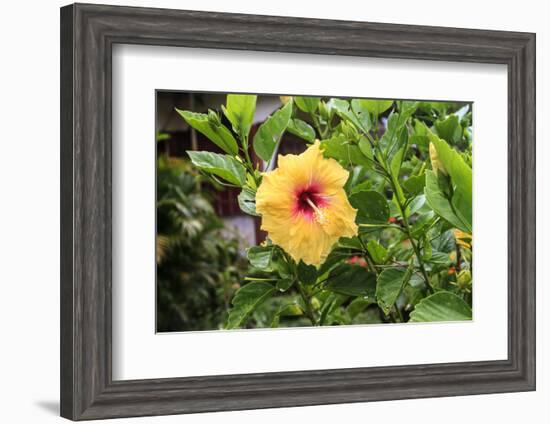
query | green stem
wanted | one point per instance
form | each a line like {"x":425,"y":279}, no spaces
{"x":307,"y":303}
{"x":399,"y":313}
{"x":317,"y":125}
{"x":397,"y":227}
{"x":260,"y":279}
{"x":248,"y":160}
{"x":416,"y":251}
{"x":394,"y":183}
{"x":369,"y":259}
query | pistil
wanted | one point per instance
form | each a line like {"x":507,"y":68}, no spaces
{"x":320,"y":216}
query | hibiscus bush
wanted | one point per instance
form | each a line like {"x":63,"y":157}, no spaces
{"x":198,"y":263}
{"x":371,"y":222}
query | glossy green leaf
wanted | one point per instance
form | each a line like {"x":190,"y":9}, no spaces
{"x":358,"y":305}
{"x":280,"y":264}
{"x":339,"y":148}
{"x":223,"y":166}
{"x":260,"y":256}
{"x":372,"y":207}
{"x":395,"y":127}
{"x":287,"y":310}
{"x":389,"y":285}
{"x":270,"y":132}
{"x":426,"y":249}
{"x":378,"y":252}
{"x":330,"y":309}
{"x":301,"y":129}
{"x":414,"y":185}
{"x":400,"y":151}
{"x":366,"y":148}
{"x":439,"y":258}
{"x":247,"y":201}
{"x":352,"y":280}
{"x":461,"y":176}
{"x":307,"y":104}
{"x":441,"y":205}
{"x":377,"y":107}
{"x":216,"y":132}
{"x":441,"y":306}
{"x":239,"y":110}
{"x":342,"y":109}
{"x":360,"y":109}
{"x":416,"y":204}
{"x":307,"y":274}
{"x":246,"y":300}
{"x":449,"y":129}
{"x":284,"y":284}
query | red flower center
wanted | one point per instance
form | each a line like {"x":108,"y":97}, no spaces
{"x":308,"y":199}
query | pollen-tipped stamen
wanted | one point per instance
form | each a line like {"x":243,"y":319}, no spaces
{"x":320,"y":216}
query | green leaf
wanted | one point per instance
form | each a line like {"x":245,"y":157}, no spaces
{"x":441,"y":205}
{"x":342,"y":109}
{"x":378,"y":252}
{"x":449,"y":129}
{"x":416,"y":204}
{"x":389,"y":286}
{"x":301,"y":129}
{"x":260,"y":256}
{"x":216,"y":132}
{"x":396,"y":125}
{"x":377,"y":107}
{"x":352,"y":280}
{"x":372,"y":207}
{"x":397,"y":159}
{"x":284,"y":284}
{"x":441,"y":306}
{"x":307,"y":104}
{"x":246,"y":300}
{"x":307,"y":274}
{"x":440,"y":258}
{"x":408,"y":107}
{"x":239,"y":110}
{"x":343,"y":151}
{"x":223,"y":166}
{"x":280,"y":265}
{"x":288,"y":310}
{"x":350,"y":243}
{"x":461,"y":176}
{"x":247,"y":201}
{"x":361,"y":111}
{"x":426,"y":249}
{"x":414,"y":185}
{"x":365,"y":148}
{"x":358,"y":305}
{"x":271,"y":131}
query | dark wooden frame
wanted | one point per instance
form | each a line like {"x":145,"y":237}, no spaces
{"x":88,"y":33}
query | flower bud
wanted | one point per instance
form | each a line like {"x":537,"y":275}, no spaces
{"x":213,"y":117}
{"x":437,"y":166}
{"x":324,"y":111}
{"x":464,"y":280}
{"x":285,"y":99}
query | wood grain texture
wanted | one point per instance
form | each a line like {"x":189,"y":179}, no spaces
{"x":88,"y":33}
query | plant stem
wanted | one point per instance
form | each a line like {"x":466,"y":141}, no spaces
{"x":397,"y":227}
{"x":260,"y":279}
{"x":399,"y":313}
{"x":368,"y":259}
{"x":317,"y":125}
{"x":394,"y":185}
{"x":415,"y":248}
{"x":307,"y":303}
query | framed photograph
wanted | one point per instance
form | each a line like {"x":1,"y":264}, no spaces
{"x":264,"y":212}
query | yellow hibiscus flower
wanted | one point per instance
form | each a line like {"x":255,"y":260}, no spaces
{"x":304,"y":207}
